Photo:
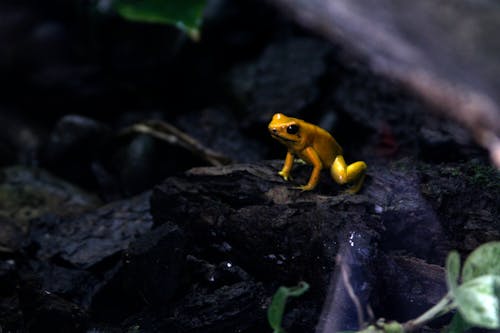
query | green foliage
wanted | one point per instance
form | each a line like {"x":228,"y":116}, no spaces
{"x":277,"y":307}
{"x":458,"y":324}
{"x":485,"y":260}
{"x":478,"y":301}
{"x":184,"y":14}
{"x":478,"y":297}
{"x":452,"y":270}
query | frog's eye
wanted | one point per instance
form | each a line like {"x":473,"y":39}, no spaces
{"x":292,"y":129}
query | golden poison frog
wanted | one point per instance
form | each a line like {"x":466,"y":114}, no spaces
{"x":317,"y":147}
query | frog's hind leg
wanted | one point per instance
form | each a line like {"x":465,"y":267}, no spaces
{"x":352,"y":173}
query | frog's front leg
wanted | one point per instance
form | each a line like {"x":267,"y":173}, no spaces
{"x":343,"y":173}
{"x":313,"y":158}
{"x":285,"y":171}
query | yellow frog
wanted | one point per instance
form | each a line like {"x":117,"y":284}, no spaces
{"x":315,"y":146}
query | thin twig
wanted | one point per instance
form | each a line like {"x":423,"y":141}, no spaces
{"x":171,"y":134}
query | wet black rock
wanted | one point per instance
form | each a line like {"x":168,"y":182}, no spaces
{"x":140,"y":161}
{"x":237,"y":305}
{"x":444,"y":141}
{"x":75,"y":285}
{"x":11,"y":235}
{"x":145,"y":280}
{"x":285,"y":78}
{"x":20,"y":139}
{"x":28,"y":193}
{"x":411,"y":223}
{"x":49,"y":312}
{"x":247,"y":215}
{"x":466,"y":198}
{"x":232,"y":307}
{"x":74,"y":144}
{"x":11,"y":315}
{"x":75,"y":258}
{"x":92,"y":237}
{"x":411,"y":286}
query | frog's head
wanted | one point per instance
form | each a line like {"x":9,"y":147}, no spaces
{"x":287,"y":130}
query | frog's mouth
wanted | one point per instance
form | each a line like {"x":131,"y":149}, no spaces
{"x":280,"y":138}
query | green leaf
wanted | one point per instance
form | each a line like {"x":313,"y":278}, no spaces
{"x":458,"y":324}
{"x":393,"y":327}
{"x":277,"y":307}
{"x":484,"y":260}
{"x":184,"y":14}
{"x":478,"y":301}
{"x":452,"y":270}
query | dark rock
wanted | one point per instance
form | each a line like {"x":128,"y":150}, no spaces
{"x":148,"y":276}
{"x":140,"y":161}
{"x":92,"y":237}
{"x":28,"y":193}
{"x":275,"y":233}
{"x":154,"y":264}
{"x":262,"y":219}
{"x":411,"y":224}
{"x":208,"y":274}
{"x":370,"y":98}
{"x":76,"y":258}
{"x":23,"y":186}
{"x":135,"y":163}
{"x":20,"y":139}
{"x":284,"y":79}
{"x":248,"y":216}
{"x":48,"y":312}
{"x":230,"y":308}
{"x":74,"y":144}
{"x":409,"y":287}
{"x":73,"y":284}
{"x":466,"y":198}
{"x":11,"y":315}
{"x":12,"y":236}
{"x":237,"y":305}
{"x":443,"y":141}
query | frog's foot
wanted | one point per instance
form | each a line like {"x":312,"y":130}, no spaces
{"x":352,"y":173}
{"x":357,"y":186}
{"x":285,"y":175}
{"x":306,"y":187}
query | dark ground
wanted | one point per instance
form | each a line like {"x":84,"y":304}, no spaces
{"x":103,"y":230}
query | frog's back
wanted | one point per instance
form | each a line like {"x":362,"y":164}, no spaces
{"x":326,"y":146}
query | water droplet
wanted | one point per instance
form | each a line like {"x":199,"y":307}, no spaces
{"x":351,"y":238}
